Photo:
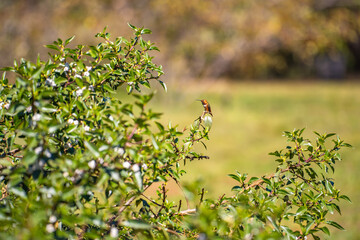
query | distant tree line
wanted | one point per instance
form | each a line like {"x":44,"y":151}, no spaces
{"x":212,"y":39}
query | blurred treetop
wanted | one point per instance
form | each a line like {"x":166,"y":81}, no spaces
{"x":198,"y":38}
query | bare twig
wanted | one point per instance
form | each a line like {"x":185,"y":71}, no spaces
{"x":128,"y":203}
{"x":179,"y":205}
{"x":150,"y":200}
{"x":199,"y":157}
{"x":132,"y":47}
{"x":163,"y":189}
{"x":133,"y":132}
{"x":187,"y":212}
{"x":202,"y":195}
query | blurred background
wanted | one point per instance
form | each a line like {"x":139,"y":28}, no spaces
{"x":264,"y":66}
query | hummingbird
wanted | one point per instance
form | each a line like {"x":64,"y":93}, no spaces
{"x":206,"y":106}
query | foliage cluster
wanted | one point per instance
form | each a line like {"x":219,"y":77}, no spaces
{"x":76,"y":161}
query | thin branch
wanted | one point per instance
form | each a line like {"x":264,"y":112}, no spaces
{"x":132,"y":47}
{"x":179,"y":205}
{"x":163,"y":200}
{"x":199,"y":157}
{"x":128,"y":203}
{"x":133,"y":132}
{"x":202,"y":195}
{"x":168,"y":230}
{"x":150,"y":200}
{"x":186,"y":212}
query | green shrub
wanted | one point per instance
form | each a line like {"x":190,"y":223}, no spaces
{"x":76,"y":158}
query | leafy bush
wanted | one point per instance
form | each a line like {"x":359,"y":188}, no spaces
{"x":76,"y":160}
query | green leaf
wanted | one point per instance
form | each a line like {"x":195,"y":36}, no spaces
{"x":71,"y":128}
{"x":36,"y":73}
{"x":236,"y":188}
{"x":273,"y":222}
{"x":337,"y":208}
{"x":48,"y":108}
{"x":138,"y":178}
{"x":29,"y":157}
{"x":160,"y":126}
{"x":79,"y":82}
{"x":146,"y":31}
{"x":80,"y":105}
{"x":5,"y":162}
{"x":163,"y":85}
{"x":347,"y":145}
{"x":335,"y":224}
{"x":132,"y":26}
{"x":308,"y":227}
{"x":301,"y":210}
{"x":325,"y":230}
{"x":329,"y":135}
{"x":67,"y":41}
{"x":18,"y":192}
{"x":154,"y":48}
{"x":129,"y":88}
{"x":154,"y":142}
{"x":267,"y":181}
{"x":136,"y":224}
{"x":345,"y":198}
{"x":329,"y":187}
{"x":253,"y":179}
{"x":108,"y":88}
{"x":54,"y":47}
{"x":289,"y":232}
{"x":59,"y":80}
{"x":7,"y":69}
{"x":92,"y":148}
{"x":235,"y":177}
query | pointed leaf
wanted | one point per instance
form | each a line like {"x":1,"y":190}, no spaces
{"x":92,"y":148}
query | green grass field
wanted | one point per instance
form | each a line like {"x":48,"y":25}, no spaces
{"x":248,"y":122}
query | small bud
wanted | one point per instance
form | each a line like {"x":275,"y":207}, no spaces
{"x":187,"y":145}
{"x":79,"y":92}
{"x":52,"y":219}
{"x":36,"y":117}
{"x":7,"y":105}
{"x":79,"y":172}
{"x":119,"y":150}
{"x":92,"y":164}
{"x":38,"y":150}
{"x":47,"y":153}
{"x":50,"y":82}
{"x":29,"y":109}
{"x":50,"y":228}
{"x":135,"y":168}
{"x":126,"y":165}
{"x":114,"y":232}
{"x":195,"y":125}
